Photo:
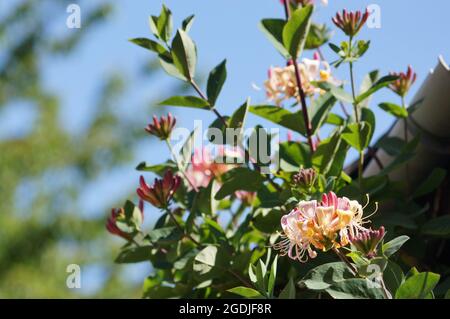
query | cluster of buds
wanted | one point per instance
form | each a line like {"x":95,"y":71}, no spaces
{"x":282,"y":82}
{"x":118,"y":216}
{"x":304,"y":2}
{"x":351,"y":22}
{"x":404,"y":82}
{"x":367,"y":242}
{"x":161,"y":192}
{"x":321,"y":225}
{"x":162,"y":127}
{"x":305,"y":178}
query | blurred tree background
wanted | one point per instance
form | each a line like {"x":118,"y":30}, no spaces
{"x":44,"y":168}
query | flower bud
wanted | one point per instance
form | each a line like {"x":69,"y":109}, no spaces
{"x":367,"y":241}
{"x":351,"y":22}
{"x":111,"y":223}
{"x":161,"y":192}
{"x":305,"y":178}
{"x":118,"y":216}
{"x":402,"y":85}
{"x":163,"y":127}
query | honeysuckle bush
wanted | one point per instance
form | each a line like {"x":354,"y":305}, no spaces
{"x":300,"y":226}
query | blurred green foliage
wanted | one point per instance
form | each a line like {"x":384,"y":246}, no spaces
{"x":43,"y":172}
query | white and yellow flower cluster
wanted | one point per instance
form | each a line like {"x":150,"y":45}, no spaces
{"x":320,"y":225}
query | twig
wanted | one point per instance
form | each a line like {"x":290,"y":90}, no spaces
{"x":302,"y":94}
{"x":346,"y":261}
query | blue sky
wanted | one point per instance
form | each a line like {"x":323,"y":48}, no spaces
{"x":410,"y":33}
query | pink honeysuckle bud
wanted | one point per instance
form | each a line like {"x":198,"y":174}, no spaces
{"x":161,"y":192}
{"x":367,"y":241}
{"x":161,"y":128}
{"x":111,"y":223}
{"x":351,"y":22}
{"x":404,"y":82}
{"x":305,"y":178}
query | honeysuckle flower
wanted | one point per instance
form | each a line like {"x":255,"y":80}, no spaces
{"x":118,"y":214}
{"x":367,"y":241}
{"x":282,"y":84}
{"x":305,"y":178}
{"x":351,"y":22}
{"x":161,"y":192}
{"x":204,"y":166}
{"x":162,"y":127}
{"x":402,"y":85}
{"x":321,"y":226}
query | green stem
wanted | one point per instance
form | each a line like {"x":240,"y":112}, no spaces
{"x":357,"y":115}
{"x":177,"y":224}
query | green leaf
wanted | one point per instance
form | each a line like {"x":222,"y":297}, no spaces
{"x":186,"y":150}
{"x":318,"y":35}
{"x":238,"y":118}
{"x":406,"y":153}
{"x":159,"y":169}
{"x":296,"y":30}
{"x":391,"y":145}
{"x":381,"y":83}
{"x":358,"y":135}
{"x":239,"y":178}
{"x":368,"y":116}
{"x":187,"y":101}
{"x":266,"y":219}
{"x":163,"y":234}
{"x":338,"y":92}
{"x":273,"y":29}
{"x":439,"y":227}
{"x":134,"y":255}
{"x":216,"y":80}
{"x":355,"y":288}
{"x":394,"y":245}
{"x":245,"y":292}
{"x":153,"y":23}
{"x":393,"y":277}
{"x":280,"y":116}
{"x":187,"y":23}
{"x":149,"y":45}
{"x":236,"y":124}
{"x":394,"y":109}
{"x":419,"y":286}
{"x":330,"y":155}
{"x":204,"y":200}
{"x":205,"y":260}
{"x":324,"y":276}
{"x":432,"y":182}
{"x":335,"y":119}
{"x":165,"y":24}
{"x":272,"y":276}
{"x":295,"y":154}
{"x":184,"y":54}
{"x":289,"y":291}
{"x":320,"y":109}
{"x":169,"y":67}
{"x":368,"y":81}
